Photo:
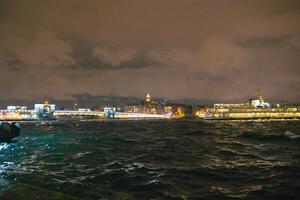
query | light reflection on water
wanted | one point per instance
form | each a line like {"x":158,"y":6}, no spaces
{"x":153,"y":159}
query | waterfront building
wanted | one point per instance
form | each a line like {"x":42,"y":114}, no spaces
{"x":109,"y":112}
{"x":16,"y":108}
{"x":44,"y":110}
{"x":132,"y":108}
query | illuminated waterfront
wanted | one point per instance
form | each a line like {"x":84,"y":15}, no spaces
{"x":147,"y":109}
{"x":255,"y":109}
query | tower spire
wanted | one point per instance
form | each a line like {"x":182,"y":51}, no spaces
{"x":148,"y":98}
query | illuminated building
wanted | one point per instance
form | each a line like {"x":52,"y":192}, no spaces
{"x":16,"y":108}
{"x":180,"y":111}
{"x":109,"y":112}
{"x":45,"y":110}
{"x":75,"y":106}
{"x":132,"y":108}
{"x":149,"y":106}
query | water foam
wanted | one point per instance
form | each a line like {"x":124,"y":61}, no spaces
{"x":4,"y":146}
{"x":291,"y":135}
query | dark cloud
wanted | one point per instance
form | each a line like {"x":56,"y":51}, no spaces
{"x":13,"y":62}
{"x":87,"y":99}
{"x":171,"y":48}
{"x":280,"y":41}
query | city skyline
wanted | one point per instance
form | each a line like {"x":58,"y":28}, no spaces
{"x":173,"y":49}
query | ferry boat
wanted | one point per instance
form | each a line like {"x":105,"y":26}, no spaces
{"x":255,"y":109}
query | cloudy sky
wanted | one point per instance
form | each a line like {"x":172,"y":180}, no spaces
{"x":196,"y":49}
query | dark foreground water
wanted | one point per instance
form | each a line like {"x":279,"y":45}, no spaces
{"x":153,"y":160}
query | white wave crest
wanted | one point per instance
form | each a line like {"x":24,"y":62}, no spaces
{"x":291,"y":135}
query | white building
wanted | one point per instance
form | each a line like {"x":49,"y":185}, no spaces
{"x":44,"y":111}
{"x":16,"y":108}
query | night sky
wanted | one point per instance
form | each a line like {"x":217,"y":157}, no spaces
{"x":177,"y":49}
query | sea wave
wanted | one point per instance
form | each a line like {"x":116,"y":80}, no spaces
{"x":155,"y":160}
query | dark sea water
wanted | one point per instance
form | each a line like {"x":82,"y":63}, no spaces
{"x":157,"y":159}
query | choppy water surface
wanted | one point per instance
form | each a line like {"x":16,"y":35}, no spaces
{"x":153,"y":160}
